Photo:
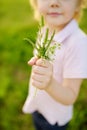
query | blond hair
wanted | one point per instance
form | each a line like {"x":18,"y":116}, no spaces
{"x":78,"y":15}
{"x":33,"y":3}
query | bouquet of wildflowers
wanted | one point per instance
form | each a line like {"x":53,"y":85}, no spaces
{"x":43,"y":47}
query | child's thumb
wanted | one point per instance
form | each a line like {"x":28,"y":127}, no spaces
{"x":32,"y":61}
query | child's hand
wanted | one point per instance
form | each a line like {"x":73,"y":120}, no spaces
{"x":32,"y":61}
{"x":42,"y":73}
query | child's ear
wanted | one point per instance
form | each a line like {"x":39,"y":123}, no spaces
{"x":78,"y":9}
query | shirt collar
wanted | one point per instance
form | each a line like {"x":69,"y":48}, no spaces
{"x":66,"y":32}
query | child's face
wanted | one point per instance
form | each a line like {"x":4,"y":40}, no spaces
{"x":57,"y":12}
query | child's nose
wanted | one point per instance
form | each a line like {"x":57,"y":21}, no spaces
{"x":54,"y":3}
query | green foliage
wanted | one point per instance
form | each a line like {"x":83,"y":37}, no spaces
{"x":16,"y":23}
{"x":79,"y":121}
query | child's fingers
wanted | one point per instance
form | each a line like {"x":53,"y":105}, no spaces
{"x":32,"y":61}
{"x":42,"y":62}
{"x":39,"y":70}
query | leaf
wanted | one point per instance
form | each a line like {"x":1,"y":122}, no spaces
{"x":32,"y":43}
{"x":42,"y":21}
{"x":46,"y":36}
{"x":29,"y":41}
{"x":50,"y":41}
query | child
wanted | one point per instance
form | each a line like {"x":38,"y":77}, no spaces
{"x":58,"y":82}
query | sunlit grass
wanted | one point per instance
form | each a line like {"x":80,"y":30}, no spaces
{"x":15,"y":14}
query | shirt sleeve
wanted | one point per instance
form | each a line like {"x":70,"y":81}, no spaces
{"x":75,"y":61}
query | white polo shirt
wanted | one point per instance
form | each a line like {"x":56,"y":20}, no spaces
{"x":70,"y":62}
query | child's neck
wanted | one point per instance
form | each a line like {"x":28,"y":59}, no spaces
{"x":56,"y":28}
{"x":52,"y":29}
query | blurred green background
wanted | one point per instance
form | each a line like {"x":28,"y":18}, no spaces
{"x":16,"y":23}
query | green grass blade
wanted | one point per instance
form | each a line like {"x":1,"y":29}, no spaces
{"x":49,"y":42}
{"x":46,"y":36}
{"x":29,"y":41}
{"x":42,"y":21}
{"x":32,"y":43}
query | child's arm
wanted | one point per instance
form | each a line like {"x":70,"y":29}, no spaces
{"x":42,"y":78}
{"x":67,"y":92}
